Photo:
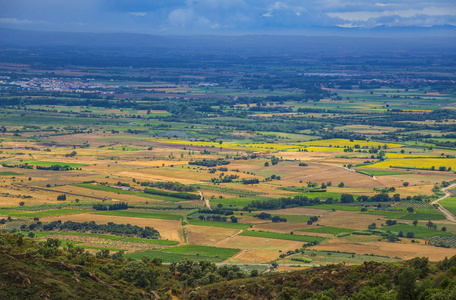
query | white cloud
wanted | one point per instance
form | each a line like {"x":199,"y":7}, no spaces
{"x":138,"y":14}
{"x":15,"y":21}
{"x":181,"y":17}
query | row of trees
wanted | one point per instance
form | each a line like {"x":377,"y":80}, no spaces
{"x":111,"y":228}
{"x":266,"y":216}
{"x":172,"y":186}
{"x":217,"y":218}
{"x":210,"y":162}
{"x":285,"y":202}
{"x":216,"y":211}
{"x":116,"y":206}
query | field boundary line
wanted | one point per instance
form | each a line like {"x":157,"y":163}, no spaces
{"x":442,"y":209}
{"x":62,"y":192}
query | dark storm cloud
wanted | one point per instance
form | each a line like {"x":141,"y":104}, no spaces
{"x":220,"y":16}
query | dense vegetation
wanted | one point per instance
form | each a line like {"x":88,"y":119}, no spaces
{"x":210,"y":162}
{"x":115,"y":206}
{"x":172,"y":186}
{"x":282,"y":203}
{"x":112,"y":228}
{"x":31,"y":270}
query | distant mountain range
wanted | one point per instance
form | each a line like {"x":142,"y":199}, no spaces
{"x":257,"y":44}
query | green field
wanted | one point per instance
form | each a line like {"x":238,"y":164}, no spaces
{"x":236,"y":202}
{"x":150,"y":241}
{"x":335,"y":206}
{"x":329,"y":230}
{"x":101,"y":248}
{"x":11,"y":174}
{"x":97,"y":235}
{"x":424,"y":214}
{"x":449,"y":204}
{"x":133,"y":193}
{"x":133,"y":214}
{"x":40,"y":214}
{"x":420,"y":230}
{"x":54,"y":163}
{"x":330,"y":257}
{"x":39,"y":234}
{"x":322,"y":195}
{"x":282,"y":236}
{"x":204,"y":251}
{"x":170,"y":257}
{"x":387,"y":214}
{"x":380,"y":173}
{"x":219,"y":224}
{"x":193,"y":252}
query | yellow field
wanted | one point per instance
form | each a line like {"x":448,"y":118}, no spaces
{"x":341,"y":143}
{"x":404,"y":155}
{"x":234,"y":146}
{"x":376,"y":107}
{"x":316,"y":146}
{"x":324,"y":149}
{"x":416,"y":163}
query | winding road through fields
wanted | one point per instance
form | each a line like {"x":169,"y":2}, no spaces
{"x":447,"y":213}
{"x":208,"y":204}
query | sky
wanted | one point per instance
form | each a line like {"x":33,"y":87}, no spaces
{"x":223,"y":16}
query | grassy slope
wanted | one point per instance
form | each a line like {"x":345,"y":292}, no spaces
{"x":193,"y":252}
{"x":449,"y":204}
{"x":37,"y":278}
{"x":282,"y":236}
{"x":329,"y":230}
{"x":419,"y":231}
{"x":25,"y":276}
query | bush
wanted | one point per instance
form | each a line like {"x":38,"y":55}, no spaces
{"x":61,"y":197}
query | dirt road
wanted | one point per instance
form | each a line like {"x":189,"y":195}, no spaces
{"x":208,"y":204}
{"x":447,"y":213}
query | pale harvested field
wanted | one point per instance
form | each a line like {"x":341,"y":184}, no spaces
{"x":253,"y":221}
{"x":349,"y":219}
{"x":156,"y":177}
{"x":208,"y":236}
{"x":300,"y":211}
{"x":154,"y":163}
{"x":421,"y":182}
{"x":345,"y":161}
{"x":291,"y":227}
{"x":99,"y":242}
{"x":264,"y":250}
{"x":289,"y":268}
{"x":305,"y":156}
{"x":423,"y":189}
{"x":281,"y":227}
{"x":404,"y":251}
{"x":319,"y":173}
{"x":38,"y":197}
{"x":95,"y":193}
{"x":169,"y":229}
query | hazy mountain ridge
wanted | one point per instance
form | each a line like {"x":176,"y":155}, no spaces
{"x":259,"y":44}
